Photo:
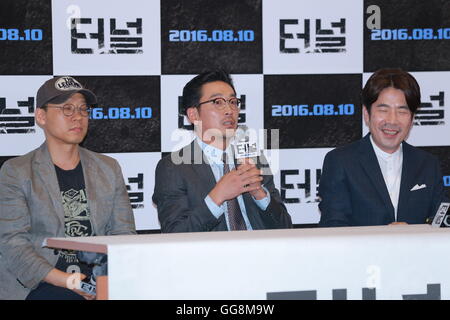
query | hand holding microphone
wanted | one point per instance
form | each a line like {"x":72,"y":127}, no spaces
{"x":254,"y":187}
{"x":246,"y":152}
{"x":246,"y":177}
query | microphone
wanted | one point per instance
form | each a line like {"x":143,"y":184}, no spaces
{"x":245,"y":144}
{"x":100,"y":262}
{"x":442,"y":217}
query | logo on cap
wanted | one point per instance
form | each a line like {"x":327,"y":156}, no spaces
{"x":67,"y":84}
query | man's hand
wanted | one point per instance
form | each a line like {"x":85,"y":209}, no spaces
{"x":245,"y":178}
{"x":257,"y":191}
{"x":68,"y":280}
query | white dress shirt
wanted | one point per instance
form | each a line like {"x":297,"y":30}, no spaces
{"x":391,"y":167}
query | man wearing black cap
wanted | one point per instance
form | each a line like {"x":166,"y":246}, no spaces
{"x":57,"y":190}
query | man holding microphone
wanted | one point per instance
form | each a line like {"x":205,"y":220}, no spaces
{"x":200,"y":188}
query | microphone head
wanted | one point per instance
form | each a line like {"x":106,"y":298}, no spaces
{"x":241,"y":133}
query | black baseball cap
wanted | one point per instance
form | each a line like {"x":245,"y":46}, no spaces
{"x":58,"y":90}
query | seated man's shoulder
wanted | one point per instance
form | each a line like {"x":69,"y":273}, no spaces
{"x":100,"y":159}
{"x":420,"y":154}
{"x":176,"y":159}
{"x":22,"y":164}
{"x":346,"y":152}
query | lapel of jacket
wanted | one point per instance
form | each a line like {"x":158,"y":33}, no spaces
{"x":409,"y":169}
{"x":370,"y":164}
{"x":90,"y":181}
{"x":47,"y":173}
{"x":201,"y":166}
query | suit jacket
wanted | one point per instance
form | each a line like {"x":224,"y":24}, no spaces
{"x":31,"y":210}
{"x":354,"y":193}
{"x":185,"y":178}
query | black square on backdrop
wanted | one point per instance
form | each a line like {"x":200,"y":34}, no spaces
{"x":189,"y":50}
{"x":443,"y":154}
{"x":427,"y":53}
{"x":313,"y":111}
{"x":123,"y":124}
{"x":26,"y":37}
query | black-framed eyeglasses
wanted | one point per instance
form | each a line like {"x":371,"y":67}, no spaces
{"x":220,"y":103}
{"x":69,"y":109}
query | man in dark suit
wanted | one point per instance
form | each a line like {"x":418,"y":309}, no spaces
{"x":58,"y":190}
{"x":200,"y":187}
{"x":381,"y":179}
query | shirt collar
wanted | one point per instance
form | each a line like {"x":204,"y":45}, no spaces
{"x":213,"y":154}
{"x":385,"y":155}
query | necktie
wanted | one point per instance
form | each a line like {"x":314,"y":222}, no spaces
{"x":234,"y":211}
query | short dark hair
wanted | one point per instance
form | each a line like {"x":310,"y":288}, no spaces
{"x":192,"y":90}
{"x":395,"y":78}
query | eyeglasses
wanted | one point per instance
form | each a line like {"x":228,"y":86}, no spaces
{"x":220,"y":103}
{"x":69,"y":109}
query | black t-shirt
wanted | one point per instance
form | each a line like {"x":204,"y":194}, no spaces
{"x":76,"y":216}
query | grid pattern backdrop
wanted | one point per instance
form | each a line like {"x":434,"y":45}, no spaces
{"x":298,"y":66}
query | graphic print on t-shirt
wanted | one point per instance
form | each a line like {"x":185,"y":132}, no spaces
{"x":77,"y":216}
{"x":77,"y":221}
{"x":76,"y":213}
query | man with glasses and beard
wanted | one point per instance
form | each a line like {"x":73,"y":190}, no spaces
{"x":58,"y":190}
{"x":200,"y":187}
